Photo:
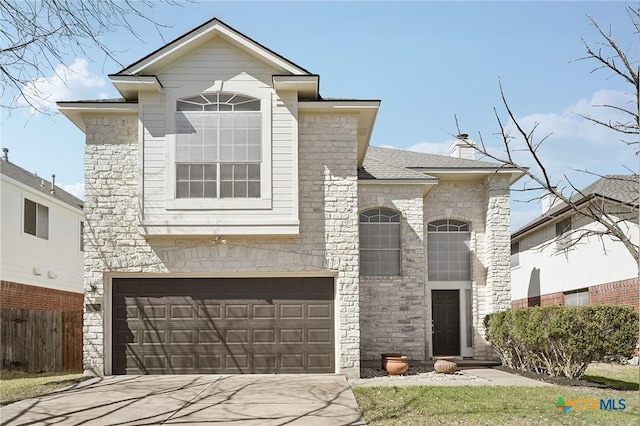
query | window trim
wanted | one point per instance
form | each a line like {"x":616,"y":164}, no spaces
{"x":515,"y":257}
{"x":449,"y":222}
{"x":564,"y":238}
{"x":265,"y":201}
{"x":37,"y":222}
{"x":399,"y":249}
{"x":577,"y":292}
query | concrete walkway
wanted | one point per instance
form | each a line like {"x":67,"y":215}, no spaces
{"x":209,"y":399}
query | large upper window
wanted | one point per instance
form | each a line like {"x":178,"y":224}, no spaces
{"x":36,"y":219}
{"x":218,"y":146}
{"x":380,"y":242}
{"x":448,"y":250}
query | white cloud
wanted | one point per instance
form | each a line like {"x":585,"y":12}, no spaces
{"x":73,"y":81}
{"x":439,"y":148}
{"x":76,"y":189}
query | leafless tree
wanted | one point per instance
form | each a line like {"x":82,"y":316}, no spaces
{"x":520,"y":146}
{"x":35,"y":35}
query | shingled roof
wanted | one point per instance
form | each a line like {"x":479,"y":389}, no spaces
{"x":617,"y":188}
{"x":37,"y":183}
{"x":398,"y":164}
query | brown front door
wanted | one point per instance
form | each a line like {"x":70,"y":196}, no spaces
{"x":222,"y":326}
{"x":446,"y":322}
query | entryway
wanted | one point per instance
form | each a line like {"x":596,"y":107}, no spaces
{"x":446,"y":322}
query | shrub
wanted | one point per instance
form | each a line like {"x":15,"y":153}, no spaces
{"x":562,"y":340}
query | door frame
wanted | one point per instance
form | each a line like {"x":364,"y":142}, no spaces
{"x":463,"y":294}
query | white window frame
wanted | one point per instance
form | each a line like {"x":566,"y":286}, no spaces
{"x":265,"y":200}
{"x":515,"y":255}
{"x":455,"y":222}
{"x":578,"y":295}
{"x":38,"y":232}
{"x":398,"y":249}
{"x":564,"y":237}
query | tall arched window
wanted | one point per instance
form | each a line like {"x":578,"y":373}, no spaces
{"x":218,"y":146}
{"x":448,"y":250}
{"x":380,"y":242}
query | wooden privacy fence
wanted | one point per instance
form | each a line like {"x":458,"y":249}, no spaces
{"x":39,"y":341}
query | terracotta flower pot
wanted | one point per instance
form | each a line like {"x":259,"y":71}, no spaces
{"x":445,"y":365}
{"x":383,"y":359}
{"x":395,"y":365}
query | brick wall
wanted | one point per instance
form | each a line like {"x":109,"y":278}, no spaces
{"x":625,"y":292}
{"x":23,"y":296}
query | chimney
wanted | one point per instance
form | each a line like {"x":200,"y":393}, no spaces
{"x":53,"y":184}
{"x":548,"y":201}
{"x":6,"y":154}
{"x":463,"y":147}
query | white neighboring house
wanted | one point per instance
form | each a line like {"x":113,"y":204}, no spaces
{"x":41,"y":262}
{"x":547,"y":268}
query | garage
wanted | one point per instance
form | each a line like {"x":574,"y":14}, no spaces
{"x":222,"y":325}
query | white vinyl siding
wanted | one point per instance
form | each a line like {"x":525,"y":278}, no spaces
{"x":192,"y":74}
{"x":515,"y":254}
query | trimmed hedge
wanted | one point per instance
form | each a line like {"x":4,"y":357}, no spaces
{"x":562,"y":340}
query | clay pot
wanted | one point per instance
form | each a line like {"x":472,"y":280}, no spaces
{"x":445,"y":365}
{"x":383,"y":359}
{"x":395,"y":365}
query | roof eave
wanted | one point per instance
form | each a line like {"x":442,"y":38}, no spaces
{"x":130,"y":85}
{"x":366,"y":109}
{"x":76,"y":111}
{"x":307,"y":86}
{"x":426,"y":184}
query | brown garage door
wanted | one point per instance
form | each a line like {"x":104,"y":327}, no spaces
{"x":223,"y":326}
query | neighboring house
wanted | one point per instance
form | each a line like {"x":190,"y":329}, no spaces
{"x":41,"y":266}
{"x":555,"y":262}
{"x":240,"y":223}
{"x":41,"y":273}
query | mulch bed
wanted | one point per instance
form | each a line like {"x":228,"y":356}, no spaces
{"x":562,"y":381}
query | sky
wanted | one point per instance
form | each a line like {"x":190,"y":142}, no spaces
{"x":429,"y":63}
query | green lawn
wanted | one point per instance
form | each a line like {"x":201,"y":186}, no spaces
{"x":622,"y":377}
{"x":486,"y":405}
{"x":15,"y":386}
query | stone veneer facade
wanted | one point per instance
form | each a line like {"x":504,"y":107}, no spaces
{"x":375,"y":314}
{"x":327,"y":244}
{"x":395,"y":311}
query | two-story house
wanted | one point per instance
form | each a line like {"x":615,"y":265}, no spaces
{"x":41,"y":261}
{"x":238,"y":222}
{"x":41,"y":272}
{"x":564,"y":258}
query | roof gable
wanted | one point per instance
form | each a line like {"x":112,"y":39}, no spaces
{"x":200,"y":36}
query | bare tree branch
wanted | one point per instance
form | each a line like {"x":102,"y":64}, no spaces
{"x":36,"y":35}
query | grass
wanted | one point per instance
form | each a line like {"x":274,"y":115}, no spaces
{"x":486,"y":405}
{"x":15,"y":385}
{"x":621,"y":377}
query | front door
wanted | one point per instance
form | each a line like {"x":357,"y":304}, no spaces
{"x":446,"y":322}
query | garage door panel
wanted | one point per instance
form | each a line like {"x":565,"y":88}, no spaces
{"x":213,"y":326}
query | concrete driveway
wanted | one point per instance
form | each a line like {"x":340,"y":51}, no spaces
{"x":194,"y":400}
